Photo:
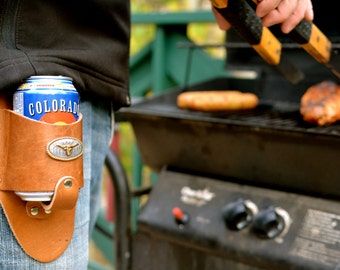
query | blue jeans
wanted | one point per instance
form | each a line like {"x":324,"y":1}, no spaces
{"x":97,"y":133}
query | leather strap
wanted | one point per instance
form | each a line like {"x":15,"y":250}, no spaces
{"x":40,"y":157}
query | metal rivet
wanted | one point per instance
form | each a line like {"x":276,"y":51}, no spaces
{"x":34,"y":211}
{"x":68,"y":183}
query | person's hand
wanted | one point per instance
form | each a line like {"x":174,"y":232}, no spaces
{"x":287,"y":12}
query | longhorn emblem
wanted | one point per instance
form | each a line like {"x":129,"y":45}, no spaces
{"x":65,"y":148}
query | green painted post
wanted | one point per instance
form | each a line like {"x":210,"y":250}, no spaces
{"x":158,"y":61}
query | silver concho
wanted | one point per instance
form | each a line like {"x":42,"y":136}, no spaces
{"x":65,"y":148}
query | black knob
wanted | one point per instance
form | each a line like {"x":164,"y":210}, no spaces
{"x":271,"y":222}
{"x":239,"y":214}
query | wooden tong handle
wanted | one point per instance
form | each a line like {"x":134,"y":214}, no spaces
{"x":245,"y":21}
{"x":312,"y":40}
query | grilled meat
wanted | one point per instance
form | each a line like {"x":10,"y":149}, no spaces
{"x":210,"y":101}
{"x":321,"y":103}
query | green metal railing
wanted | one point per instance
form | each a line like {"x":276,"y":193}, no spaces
{"x":163,"y":64}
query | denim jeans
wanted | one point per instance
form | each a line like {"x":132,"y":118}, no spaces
{"x":97,"y":133}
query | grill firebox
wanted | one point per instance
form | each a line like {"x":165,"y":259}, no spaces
{"x":270,"y":145}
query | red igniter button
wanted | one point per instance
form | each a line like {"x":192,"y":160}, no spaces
{"x":181,"y":217}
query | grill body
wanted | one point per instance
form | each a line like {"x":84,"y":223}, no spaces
{"x":268,"y":156}
{"x":280,"y":171}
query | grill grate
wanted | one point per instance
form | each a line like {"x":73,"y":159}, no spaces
{"x":274,"y":115}
{"x":278,"y":116}
{"x":269,"y":114}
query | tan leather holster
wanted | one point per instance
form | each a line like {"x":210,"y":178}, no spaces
{"x":40,"y":157}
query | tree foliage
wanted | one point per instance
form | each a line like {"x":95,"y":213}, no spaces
{"x":199,"y":33}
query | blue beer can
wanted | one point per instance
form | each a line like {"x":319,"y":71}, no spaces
{"x":50,"y":99}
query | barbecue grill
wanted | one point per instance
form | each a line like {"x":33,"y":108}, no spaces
{"x":252,"y":189}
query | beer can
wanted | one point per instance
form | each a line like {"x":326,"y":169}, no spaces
{"x":50,"y":99}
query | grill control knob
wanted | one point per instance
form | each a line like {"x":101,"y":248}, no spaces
{"x":180,"y":216}
{"x":239,"y":214}
{"x":271,"y":222}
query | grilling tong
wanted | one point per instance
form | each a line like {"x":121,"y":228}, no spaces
{"x":248,"y":25}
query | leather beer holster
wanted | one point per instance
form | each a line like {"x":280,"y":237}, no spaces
{"x":40,"y":157}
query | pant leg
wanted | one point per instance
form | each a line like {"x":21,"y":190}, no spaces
{"x":100,"y":138}
{"x":97,"y":134}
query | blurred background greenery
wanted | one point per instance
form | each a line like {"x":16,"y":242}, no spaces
{"x":198,"y":32}
{"x":142,"y":34}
